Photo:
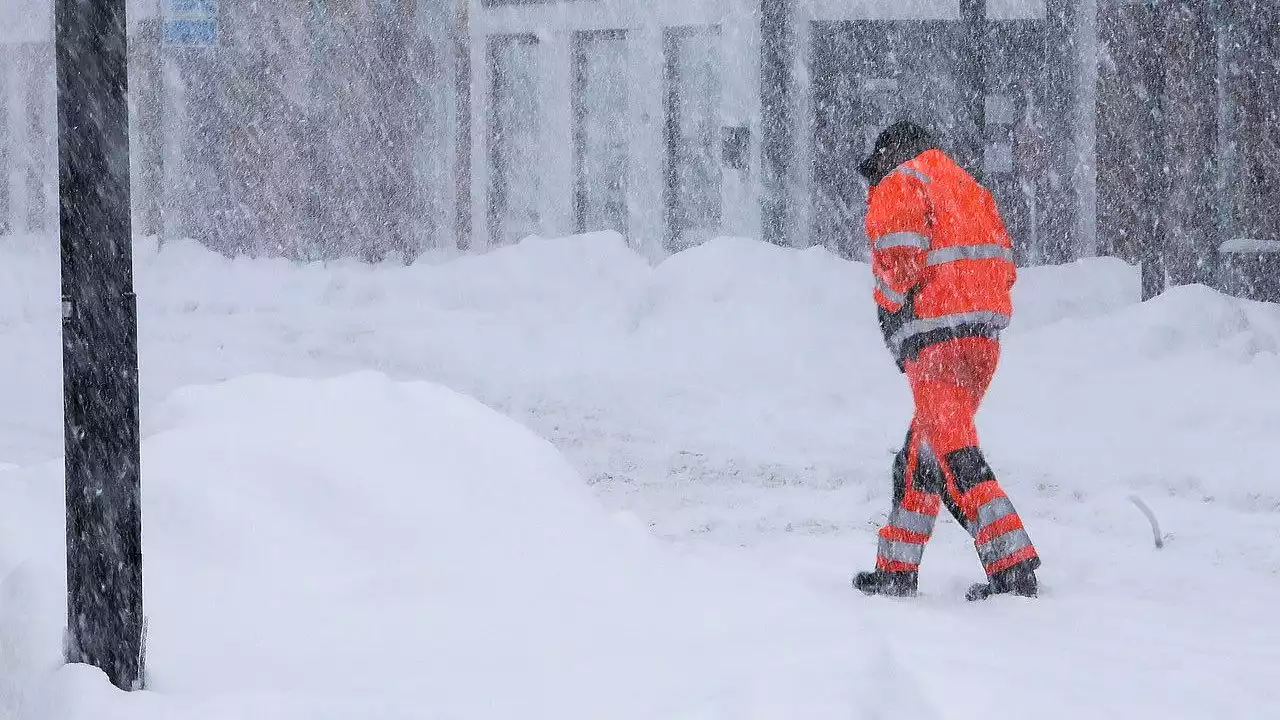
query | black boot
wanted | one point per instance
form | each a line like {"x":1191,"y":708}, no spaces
{"x":1018,"y":580}
{"x":893,"y":584}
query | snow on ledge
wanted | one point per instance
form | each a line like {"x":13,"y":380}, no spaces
{"x":1250,"y":245}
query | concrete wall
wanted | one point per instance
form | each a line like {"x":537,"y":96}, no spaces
{"x":29,"y":165}
{"x":555,"y":25}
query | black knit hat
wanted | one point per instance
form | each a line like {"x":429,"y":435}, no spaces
{"x":898,"y":143}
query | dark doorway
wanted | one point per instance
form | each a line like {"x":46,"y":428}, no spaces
{"x":867,"y":75}
{"x":1027,"y":134}
{"x":996,"y":114}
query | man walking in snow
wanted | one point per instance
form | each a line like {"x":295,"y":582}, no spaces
{"x":943,"y":266}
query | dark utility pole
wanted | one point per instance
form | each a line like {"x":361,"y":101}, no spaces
{"x":99,"y":343}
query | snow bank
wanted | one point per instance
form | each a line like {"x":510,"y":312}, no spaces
{"x":1175,"y":394}
{"x":735,"y":352}
{"x":1084,"y":289}
{"x":359,"y":546}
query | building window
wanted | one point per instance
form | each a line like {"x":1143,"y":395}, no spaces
{"x":5,"y":146}
{"x":693,"y":135}
{"x":1249,"y":110}
{"x":39,"y":91}
{"x":514,"y":138}
{"x":601,"y":137}
{"x":500,"y":3}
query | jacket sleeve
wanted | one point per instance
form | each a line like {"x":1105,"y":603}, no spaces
{"x":898,"y":227}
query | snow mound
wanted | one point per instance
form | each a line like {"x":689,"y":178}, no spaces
{"x":1183,"y":321}
{"x":1173,"y":396}
{"x":1196,"y":317}
{"x":1089,"y":288}
{"x":547,"y":274}
{"x":747,"y":302}
{"x":357,"y":546}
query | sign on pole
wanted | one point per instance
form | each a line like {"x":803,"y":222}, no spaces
{"x":191,"y":23}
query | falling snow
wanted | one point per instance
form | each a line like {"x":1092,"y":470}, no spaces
{"x":518,"y":357}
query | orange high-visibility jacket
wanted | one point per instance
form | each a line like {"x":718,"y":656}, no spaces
{"x":942,"y":259}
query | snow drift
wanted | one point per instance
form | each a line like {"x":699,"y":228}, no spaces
{"x":360,"y":547}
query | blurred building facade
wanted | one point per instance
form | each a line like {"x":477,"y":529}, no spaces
{"x":671,"y":121}
{"x":317,"y":129}
{"x":1188,"y":149}
{"x":302,"y":130}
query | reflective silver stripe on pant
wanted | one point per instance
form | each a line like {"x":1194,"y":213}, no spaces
{"x":912,"y":521}
{"x":969,"y":252}
{"x":993,"y":510}
{"x":902,"y":239}
{"x":913,"y":173}
{"x":895,"y":297}
{"x":1003,"y":546}
{"x":903,"y":552}
{"x":923,"y":325}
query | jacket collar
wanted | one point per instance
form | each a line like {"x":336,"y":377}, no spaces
{"x":886,"y":159}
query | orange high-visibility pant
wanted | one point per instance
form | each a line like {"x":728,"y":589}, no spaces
{"x":942,"y":463}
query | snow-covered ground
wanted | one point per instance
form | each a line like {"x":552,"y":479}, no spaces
{"x":737,"y":400}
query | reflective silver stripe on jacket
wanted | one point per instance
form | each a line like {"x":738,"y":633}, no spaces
{"x":902,"y":239}
{"x":969,"y":252}
{"x":912,"y":521}
{"x":903,"y":552}
{"x":894,"y":297}
{"x":919,"y":326}
{"x":993,"y":510}
{"x":913,"y":173}
{"x":1003,"y":546}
